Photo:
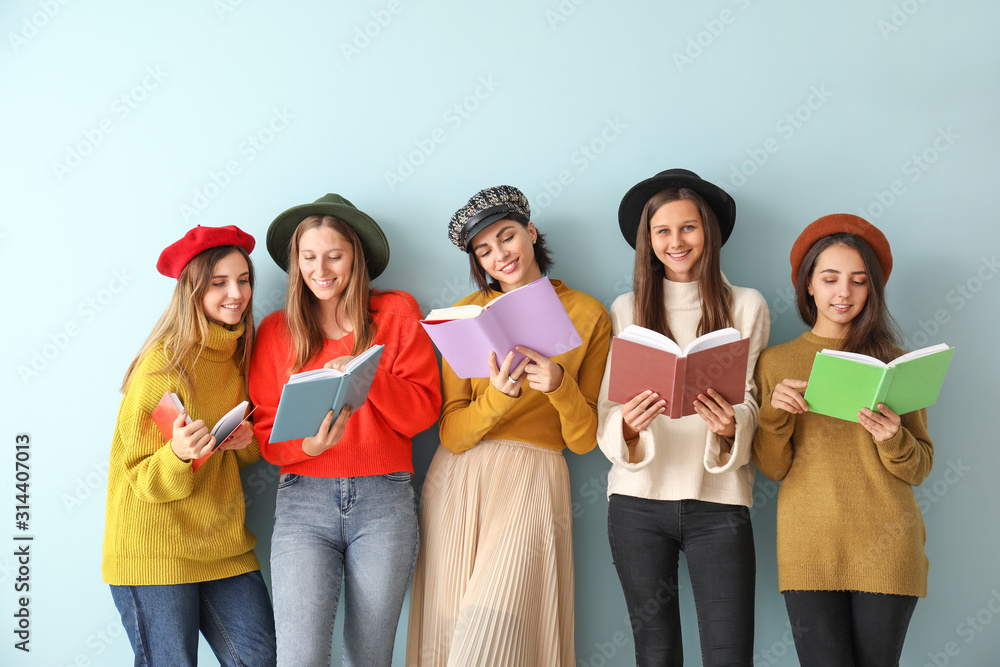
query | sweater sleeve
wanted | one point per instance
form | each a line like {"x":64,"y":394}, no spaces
{"x":268,"y":373}
{"x":755,"y":323}
{"x":464,"y":421}
{"x":772,"y":445}
{"x":909,"y":454}
{"x":609,"y":417}
{"x":407,"y":393}
{"x":153,"y":471}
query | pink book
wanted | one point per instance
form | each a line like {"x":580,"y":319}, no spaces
{"x":531,"y":316}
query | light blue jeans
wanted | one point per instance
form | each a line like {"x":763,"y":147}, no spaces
{"x":234,"y":614}
{"x":359,"y":530}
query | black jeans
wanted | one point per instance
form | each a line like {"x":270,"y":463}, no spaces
{"x":646,"y":538}
{"x":848,"y":628}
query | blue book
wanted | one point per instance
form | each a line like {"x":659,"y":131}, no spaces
{"x":308,"y":396}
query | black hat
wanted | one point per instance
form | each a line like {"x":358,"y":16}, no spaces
{"x":635,"y":199}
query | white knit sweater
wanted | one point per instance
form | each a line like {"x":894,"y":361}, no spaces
{"x":677,"y":459}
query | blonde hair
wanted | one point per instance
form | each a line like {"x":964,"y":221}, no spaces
{"x":183,"y":328}
{"x":301,"y":305}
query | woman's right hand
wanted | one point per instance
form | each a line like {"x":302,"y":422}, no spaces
{"x":329,"y":434}
{"x":190,"y":441}
{"x":505,"y":380}
{"x":787,"y":396}
{"x":640,"y":412}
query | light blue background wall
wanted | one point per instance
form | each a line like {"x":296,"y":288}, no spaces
{"x":123,"y":124}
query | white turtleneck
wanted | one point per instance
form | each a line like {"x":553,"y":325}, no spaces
{"x":677,"y":459}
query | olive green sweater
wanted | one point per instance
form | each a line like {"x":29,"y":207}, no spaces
{"x":847,"y":515}
{"x":166,"y":523}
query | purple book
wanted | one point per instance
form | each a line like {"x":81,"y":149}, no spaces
{"x":531,"y":316}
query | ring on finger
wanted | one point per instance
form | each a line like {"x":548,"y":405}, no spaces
{"x":511,"y":380}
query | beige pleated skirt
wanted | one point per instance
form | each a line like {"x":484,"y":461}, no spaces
{"x":493,"y":585}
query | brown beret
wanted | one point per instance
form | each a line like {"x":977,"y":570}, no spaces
{"x":176,"y":256}
{"x":842,"y":223}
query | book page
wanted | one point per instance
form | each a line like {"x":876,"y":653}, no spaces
{"x":649,"y":338}
{"x":916,"y":354}
{"x":855,"y":356}
{"x":453,"y":313}
{"x":361,"y":358}
{"x":712,"y":339}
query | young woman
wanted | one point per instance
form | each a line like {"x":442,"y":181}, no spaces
{"x":494,"y":582}
{"x":345,"y":509}
{"x":683,"y":484}
{"x":176,"y":552}
{"x":851,"y":560}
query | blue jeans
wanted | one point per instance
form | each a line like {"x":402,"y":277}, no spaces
{"x":234,"y":614}
{"x":362,"y":530}
{"x":848,"y":628}
{"x":646,"y":538}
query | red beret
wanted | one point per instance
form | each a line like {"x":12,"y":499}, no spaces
{"x":177,"y":255}
{"x":842,"y":223}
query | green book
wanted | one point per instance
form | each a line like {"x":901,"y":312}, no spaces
{"x":841,"y":383}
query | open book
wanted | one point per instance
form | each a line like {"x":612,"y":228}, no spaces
{"x":841,"y":383}
{"x":170,"y":406}
{"x":308,"y":396}
{"x":532,"y":316}
{"x":643,"y":359}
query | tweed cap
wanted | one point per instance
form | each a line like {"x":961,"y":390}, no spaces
{"x":486,"y":207}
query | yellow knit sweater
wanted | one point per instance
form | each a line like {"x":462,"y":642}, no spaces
{"x":165,"y":523}
{"x":847,"y":516}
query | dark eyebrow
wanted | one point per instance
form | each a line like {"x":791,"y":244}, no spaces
{"x":497,"y":235}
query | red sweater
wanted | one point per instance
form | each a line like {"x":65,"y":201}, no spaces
{"x":404,"y":400}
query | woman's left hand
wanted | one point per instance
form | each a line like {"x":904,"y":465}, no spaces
{"x":339,"y":363}
{"x":882,"y":426}
{"x":542,"y":373}
{"x":717,"y":413}
{"x":239,"y":438}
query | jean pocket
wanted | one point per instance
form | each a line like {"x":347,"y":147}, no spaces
{"x":398,"y":476}
{"x":287,"y":479}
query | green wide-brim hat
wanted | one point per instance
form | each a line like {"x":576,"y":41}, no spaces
{"x":376,"y":247}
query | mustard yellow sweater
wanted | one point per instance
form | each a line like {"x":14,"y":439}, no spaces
{"x":165,"y":523}
{"x":565,"y":417}
{"x":847,"y":516}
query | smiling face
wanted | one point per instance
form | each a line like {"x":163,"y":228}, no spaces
{"x":839,"y":287}
{"x":677,"y":237}
{"x":229,"y":291}
{"x":325,"y":261}
{"x":505,"y":250}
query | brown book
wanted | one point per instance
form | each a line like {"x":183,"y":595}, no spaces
{"x":642,"y":359}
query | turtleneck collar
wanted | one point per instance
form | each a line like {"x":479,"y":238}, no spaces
{"x":221,"y":342}
{"x":826,"y":343}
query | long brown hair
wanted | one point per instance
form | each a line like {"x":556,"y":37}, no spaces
{"x":485,"y":282}
{"x":183,"y":327}
{"x":301,"y":305}
{"x":648,"y":308}
{"x":873,"y":331}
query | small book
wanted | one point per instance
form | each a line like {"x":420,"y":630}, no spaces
{"x":643,"y":359}
{"x":532,"y":316}
{"x":308,"y":396}
{"x":841,"y":383}
{"x":170,"y":406}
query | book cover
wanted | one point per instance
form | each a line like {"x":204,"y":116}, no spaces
{"x":170,"y":406}
{"x":532,"y":316}
{"x":841,"y":383}
{"x":715,"y":361}
{"x":307,"y":397}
